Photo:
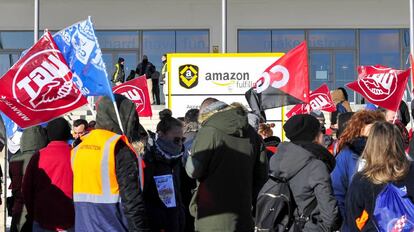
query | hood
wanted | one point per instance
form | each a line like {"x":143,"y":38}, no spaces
{"x":289,"y":160}
{"x":357,"y":145}
{"x":232,"y":120}
{"x":106,"y":118}
{"x":33,"y":139}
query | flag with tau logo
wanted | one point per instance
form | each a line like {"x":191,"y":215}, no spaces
{"x":136,"y":90}
{"x":39,"y":87}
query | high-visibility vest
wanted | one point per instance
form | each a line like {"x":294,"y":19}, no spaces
{"x":93,"y":165}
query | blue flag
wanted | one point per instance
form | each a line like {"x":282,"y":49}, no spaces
{"x":80,"y":48}
{"x":11,"y":127}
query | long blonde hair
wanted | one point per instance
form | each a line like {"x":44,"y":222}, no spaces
{"x":384,"y":154}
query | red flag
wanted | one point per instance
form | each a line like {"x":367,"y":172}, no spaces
{"x":137,"y":91}
{"x":380,"y":85}
{"x":39,"y":87}
{"x":286,"y":81}
{"x":320,"y":99}
{"x":298,"y":109}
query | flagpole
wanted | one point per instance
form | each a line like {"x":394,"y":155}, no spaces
{"x":283,"y":122}
{"x":224,"y":26}
{"x":36,"y":21}
{"x":118,"y":117}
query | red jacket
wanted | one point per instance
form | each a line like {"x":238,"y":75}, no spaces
{"x":48,"y":187}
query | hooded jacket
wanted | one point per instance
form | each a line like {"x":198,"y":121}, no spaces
{"x":159,"y":162}
{"x":345,"y":169}
{"x":32,"y":140}
{"x":229,"y":160}
{"x":131,"y":215}
{"x":308,"y":178}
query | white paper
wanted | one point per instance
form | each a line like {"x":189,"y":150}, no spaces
{"x":165,"y":187}
{"x":321,"y":75}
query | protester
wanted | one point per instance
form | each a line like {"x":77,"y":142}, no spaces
{"x":306,"y":164}
{"x":91,"y":125}
{"x":119,"y":73}
{"x":48,"y":182}
{"x":327,"y":139}
{"x":191,"y":127}
{"x":351,"y":144}
{"x":340,"y":98}
{"x":117,"y":204}
{"x":146,"y":68}
{"x":131,"y":75}
{"x":162,"y":195}
{"x":80,"y":128}
{"x":33,"y":139}
{"x":271,"y":142}
{"x":164,"y":69}
{"x":385,"y":162}
{"x":229,"y":161}
{"x":343,"y":120}
{"x":395,"y":118}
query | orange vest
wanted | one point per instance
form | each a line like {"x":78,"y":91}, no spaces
{"x":93,"y":165}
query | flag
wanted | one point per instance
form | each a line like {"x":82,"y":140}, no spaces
{"x":285,"y":82}
{"x":137,"y":91}
{"x":380,"y":85}
{"x":81,"y":51}
{"x":320,"y":99}
{"x":39,"y":87}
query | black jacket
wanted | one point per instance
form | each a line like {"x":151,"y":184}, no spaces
{"x":145,"y":68}
{"x":362,"y":195}
{"x":307,"y":171}
{"x":159,"y":163}
{"x":127,"y":167}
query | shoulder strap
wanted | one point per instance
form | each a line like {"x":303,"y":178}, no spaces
{"x":308,"y":209}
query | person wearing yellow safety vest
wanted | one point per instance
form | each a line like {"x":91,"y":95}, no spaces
{"x":164,"y":69}
{"x":107,"y":173}
{"x":119,"y":74}
{"x":163,"y":162}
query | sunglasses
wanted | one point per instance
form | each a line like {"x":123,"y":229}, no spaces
{"x":178,"y":140}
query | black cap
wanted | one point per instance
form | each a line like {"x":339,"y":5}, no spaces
{"x":120,"y":59}
{"x":302,"y":127}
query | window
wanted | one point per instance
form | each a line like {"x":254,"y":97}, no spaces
{"x":254,"y":41}
{"x":118,"y":39}
{"x":331,"y":39}
{"x":380,"y":47}
{"x":156,"y":43}
{"x":192,"y":41}
{"x":16,"y":39}
{"x":285,"y":40}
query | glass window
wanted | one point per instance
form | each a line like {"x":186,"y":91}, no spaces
{"x":192,"y":41}
{"x":321,"y":69}
{"x":331,"y":38}
{"x":118,"y":39}
{"x":16,"y":39}
{"x":254,"y":41}
{"x":156,"y":43}
{"x":6,"y":61}
{"x":285,"y":40}
{"x":345,"y":71}
{"x":380,"y":47}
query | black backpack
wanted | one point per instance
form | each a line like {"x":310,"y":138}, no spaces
{"x":275,"y":206}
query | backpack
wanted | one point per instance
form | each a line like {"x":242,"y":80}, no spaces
{"x":275,"y":206}
{"x":393,"y":211}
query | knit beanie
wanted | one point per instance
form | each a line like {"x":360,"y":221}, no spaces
{"x":302,"y":127}
{"x":58,"y":130}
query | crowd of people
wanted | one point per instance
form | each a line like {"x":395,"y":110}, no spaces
{"x":205,"y":171}
{"x":154,"y":77}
